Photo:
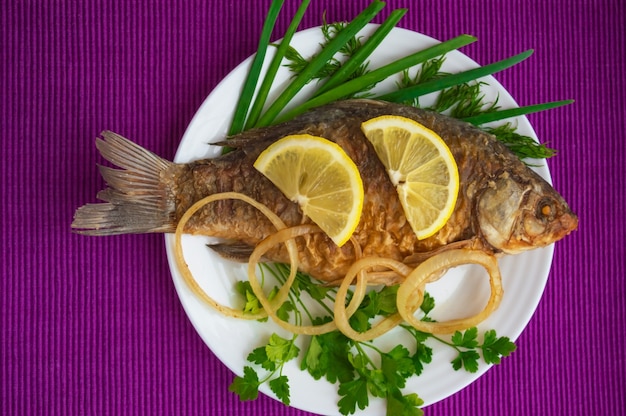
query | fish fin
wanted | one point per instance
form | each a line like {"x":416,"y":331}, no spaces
{"x":246,"y":142}
{"x":137,"y":199}
{"x":233,"y":143}
{"x":239,"y":252}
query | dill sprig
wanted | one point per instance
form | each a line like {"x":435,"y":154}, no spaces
{"x":523,"y":146}
{"x":357,"y":65}
{"x":428,"y":71}
{"x":296,"y":64}
{"x":330,"y":32}
{"x":464,"y":100}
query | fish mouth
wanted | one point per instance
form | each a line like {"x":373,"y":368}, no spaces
{"x":568,"y":222}
{"x":563,"y":226}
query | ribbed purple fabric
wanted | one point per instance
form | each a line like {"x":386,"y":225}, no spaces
{"x":93,"y":326}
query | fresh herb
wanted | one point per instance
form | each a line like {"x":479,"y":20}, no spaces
{"x":319,"y":61}
{"x":252,"y":305}
{"x":270,"y":75}
{"x":467,"y":102}
{"x":523,"y":146}
{"x":494,"y":347}
{"x":361,"y":370}
{"x":458,"y":94}
{"x":357,"y":85}
{"x":464,"y":100}
{"x":252,"y":79}
{"x":296,"y":64}
{"x":451,"y":80}
{"x":271,"y":358}
{"x":428,"y":71}
{"x":352,"y":62}
{"x":466,"y":344}
{"x":356,"y":64}
{"x":514,"y":112}
{"x":359,"y":376}
{"x":350,"y":76}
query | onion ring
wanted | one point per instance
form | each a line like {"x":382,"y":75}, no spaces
{"x":193,"y":284}
{"x":411,"y":291}
{"x":283,"y":236}
{"x":342,"y":315}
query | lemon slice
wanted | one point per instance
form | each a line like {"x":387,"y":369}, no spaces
{"x":318,"y":175}
{"x":421,"y":167}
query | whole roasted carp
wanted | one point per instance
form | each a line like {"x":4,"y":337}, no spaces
{"x":502,"y":207}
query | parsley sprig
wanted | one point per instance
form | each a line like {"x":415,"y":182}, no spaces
{"x":361,"y":370}
{"x":272,"y":358}
{"x":350,"y":365}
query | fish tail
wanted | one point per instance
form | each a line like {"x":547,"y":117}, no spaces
{"x":138,"y":198}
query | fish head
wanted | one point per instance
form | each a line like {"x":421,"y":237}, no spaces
{"x":516,"y":214}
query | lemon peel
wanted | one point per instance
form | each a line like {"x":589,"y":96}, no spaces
{"x":421,"y":167}
{"x":318,"y":175}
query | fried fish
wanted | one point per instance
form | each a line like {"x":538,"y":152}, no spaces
{"x":503,"y":206}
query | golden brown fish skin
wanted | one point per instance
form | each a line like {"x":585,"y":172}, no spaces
{"x":501,"y":205}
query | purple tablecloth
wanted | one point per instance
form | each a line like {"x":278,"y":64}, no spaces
{"x":93,"y":326}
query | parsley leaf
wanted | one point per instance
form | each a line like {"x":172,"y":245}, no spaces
{"x":388,"y":296}
{"x":283,"y":311}
{"x":494,"y":348}
{"x":316,"y":291}
{"x":280,"y":349}
{"x":467,"y":360}
{"x":353,"y":393}
{"x":280,"y":387}
{"x":259,"y":356}
{"x":360,"y":320}
{"x":339,"y":367}
{"x":314,"y":360}
{"x":376,"y":382}
{"x":428,"y":303}
{"x":252,"y":304}
{"x":397,"y":366}
{"x":271,"y":357}
{"x":328,"y":356}
{"x":246,"y":387}
{"x":467,"y":339}
{"x":423,"y":355}
{"x":407,"y":405}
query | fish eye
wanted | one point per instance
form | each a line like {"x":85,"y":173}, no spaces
{"x":546,"y":209}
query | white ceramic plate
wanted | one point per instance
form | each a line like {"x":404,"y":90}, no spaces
{"x":463,"y":291}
